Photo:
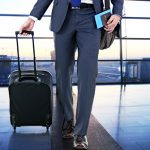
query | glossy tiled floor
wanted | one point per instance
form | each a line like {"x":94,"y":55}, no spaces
{"x":123,"y":112}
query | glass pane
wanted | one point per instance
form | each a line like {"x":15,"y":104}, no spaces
{"x":7,"y":67}
{"x":10,"y":25}
{"x":44,"y":48}
{"x":111,"y":53}
{"x":137,"y":70}
{"x":137,"y":8}
{"x":136,"y":49}
{"x":18,"y":6}
{"x":136,"y":28}
{"x":108,"y":72}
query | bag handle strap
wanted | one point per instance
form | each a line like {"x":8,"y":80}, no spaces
{"x":106,"y":4}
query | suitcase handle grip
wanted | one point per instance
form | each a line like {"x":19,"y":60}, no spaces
{"x":29,"y":78}
{"x":24,"y":31}
{"x":34,"y":58}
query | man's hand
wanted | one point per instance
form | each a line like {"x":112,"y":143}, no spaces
{"x":112,"y":23}
{"x":28,"y":25}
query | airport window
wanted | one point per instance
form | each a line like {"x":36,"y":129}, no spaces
{"x":115,"y":65}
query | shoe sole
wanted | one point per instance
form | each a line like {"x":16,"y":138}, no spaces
{"x":79,"y":147}
{"x":69,"y":136}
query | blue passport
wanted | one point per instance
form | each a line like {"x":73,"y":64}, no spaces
{"x":101,"y":18}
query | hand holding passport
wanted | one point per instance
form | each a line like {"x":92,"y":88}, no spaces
{"x":102,"y":18}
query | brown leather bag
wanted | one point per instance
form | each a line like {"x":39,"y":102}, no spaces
{"x":108,"y":38}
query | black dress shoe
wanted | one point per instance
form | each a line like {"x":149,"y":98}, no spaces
{"x":80,"y":142}
{"x":67,"y":129}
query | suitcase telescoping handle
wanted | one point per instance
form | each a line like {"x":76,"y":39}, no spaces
{"x":34,"y":58}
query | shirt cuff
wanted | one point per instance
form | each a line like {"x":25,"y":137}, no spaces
{"x":33,"y":18}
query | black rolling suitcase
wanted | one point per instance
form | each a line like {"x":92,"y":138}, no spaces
{"x":30,"y":95}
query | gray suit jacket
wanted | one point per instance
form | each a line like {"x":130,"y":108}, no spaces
{"x":60,"y":8}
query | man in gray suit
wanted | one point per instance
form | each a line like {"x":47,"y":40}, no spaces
{"x":74,"y":27}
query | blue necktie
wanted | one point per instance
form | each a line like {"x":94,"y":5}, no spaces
{"x":75,"y":3}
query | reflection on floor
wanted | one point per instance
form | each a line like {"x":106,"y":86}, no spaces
{"x":123,"y":112}
{"x":98,"y":137}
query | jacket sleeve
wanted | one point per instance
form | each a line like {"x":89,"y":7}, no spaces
{"x":40,"y":8}
{"x":117,"y":6}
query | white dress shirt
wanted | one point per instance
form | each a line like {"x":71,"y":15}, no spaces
{"x":87,"y":1}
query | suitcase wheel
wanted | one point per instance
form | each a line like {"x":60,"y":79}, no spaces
{"x":14,"y":128}
{"x":47,"y":127}
{"x":13,"y":122}
{"x":47,"y":121}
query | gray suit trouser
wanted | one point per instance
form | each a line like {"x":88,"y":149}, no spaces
{"x":79,"y":31}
